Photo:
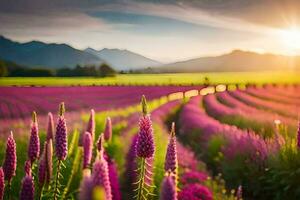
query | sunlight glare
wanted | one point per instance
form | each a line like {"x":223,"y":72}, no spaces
{"x":291,"y":38}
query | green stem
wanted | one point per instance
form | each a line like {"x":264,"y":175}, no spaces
{"x":8,"y":189}
{"x":56,"y":179}
{"x":40,"y":192}
{"x":142,"y":180}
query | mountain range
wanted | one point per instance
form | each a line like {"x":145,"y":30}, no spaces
{"x":123,"y":59}
{"x":40,"y":54}
{"x":54,"y":56}
{"x":236,"y":60}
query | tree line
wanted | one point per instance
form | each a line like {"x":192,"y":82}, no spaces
{"x":11,"y":69}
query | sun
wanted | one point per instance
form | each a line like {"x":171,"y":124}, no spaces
{"x":291,"y":38}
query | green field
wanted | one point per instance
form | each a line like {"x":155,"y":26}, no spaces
{"x":160,"y":79}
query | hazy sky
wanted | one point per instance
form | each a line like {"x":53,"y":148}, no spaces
{"x":167,"y":30}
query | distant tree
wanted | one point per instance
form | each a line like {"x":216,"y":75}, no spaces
{"x":32,"y":72}
{"x":64,"y":72}
{"x":105,"y":70}
{"x":3,"y":69}
{"x":206,"y":81}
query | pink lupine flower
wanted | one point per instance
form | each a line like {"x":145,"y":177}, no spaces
{"x":171,"y":162}
{"x":10,"y":162}
{"x":168,"y":189}
{"x":113,"y":178}
{"x":239,"y":193}
{"x":100,"y":142}
{"x":34,"y":141}
{"x":91,"y":124}
{"x":131,"y":162}
{"x":42,"y":171}
{"x":50,"y":128}
{"x":193,"y":177}
{"x":86,"y":188}
{"x":195,"y":192}
{"x":49,"y":155}
{"x":27,"y":189}
{"x":100,"y":176}
{"x":2,"y":183}
{"x":61,"y":142}
{"x":145,"y":143}
{"x":27,"y":167}
{"x":87,"y":149}
{"x":108,"y":129}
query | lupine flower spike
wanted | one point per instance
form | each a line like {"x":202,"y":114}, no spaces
{"x":91,"y":124}
{"x":168,"y":188}
{"x":49,"y":154}
{"x":87,"y":149}
{"x":100,"y":176}
{"x":171,"y":162}
{"x":27,"y":167}
{"x":27,"y":190}
{"x":61,"y":143}
{"x":42,"y":168}
{"x":113,"y":178}
{"x":145,"y":151}
{"x":50,"y":128}
{"x":34,"y":141}
{"x":10,"y":162}
{"x":239,"y":193}
{"x":2,"y":183}
{"x":108,"y":130}
{"x":100,"y":143}
{"x":86,"y":186}
{"x":145,"y":143}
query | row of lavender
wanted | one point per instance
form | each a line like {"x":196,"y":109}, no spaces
{"x":17,"y":102}
{"x":265,"y":163}
{"x":46,"y":174}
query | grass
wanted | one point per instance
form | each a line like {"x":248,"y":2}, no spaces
{"x":159,"y":79}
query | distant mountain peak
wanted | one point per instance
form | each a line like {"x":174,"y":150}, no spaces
{"x":40,"y":54}
{"x":236,"y":60}
{"x":123,"y":59}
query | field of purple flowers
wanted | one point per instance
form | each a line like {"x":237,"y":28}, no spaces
{"x":202,"y":144}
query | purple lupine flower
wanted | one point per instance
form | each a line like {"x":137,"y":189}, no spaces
{"x":87,"y":149}
{"x":168,"y":189}
{"x":145,"y":143}
{"x":131,"y":163}
{"x":100,"y":176}
{"x":2,"y":183}
{"x":50,"y":128}
{"x":34,"y":141}
{"x":239,"y":193}
{"x":49,"y":155}
{"x":171,"y":162}
{"x":193,"y":177}
{"x":91,"y":124}
{"x":27,"y":190}
{"x":10,"y":162}
{"x":61,"y":142}
{"x":86,"y":188}
{"x":42,"y":171}
{"x":100,"y":142}
{"x":108,"y":129}
{"x":298,"y":136}
{"x":113,"y":178}
{"x":195,"y":192}
{"x":27,"y":167}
